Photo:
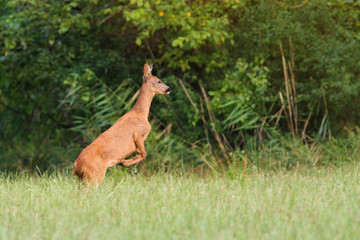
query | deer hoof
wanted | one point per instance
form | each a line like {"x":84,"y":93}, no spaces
{"x":123,"y":164}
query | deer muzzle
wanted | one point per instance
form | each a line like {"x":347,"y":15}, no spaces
{"x":168,"y":90}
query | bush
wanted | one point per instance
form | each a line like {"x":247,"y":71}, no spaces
{"x":70,"y":69}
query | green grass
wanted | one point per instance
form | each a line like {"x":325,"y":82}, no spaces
{"x":298,"y":204}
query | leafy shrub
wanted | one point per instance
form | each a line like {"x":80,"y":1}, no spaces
{"x":70,"y":69}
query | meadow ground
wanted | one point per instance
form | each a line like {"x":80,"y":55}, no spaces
{"x":298,"y":204}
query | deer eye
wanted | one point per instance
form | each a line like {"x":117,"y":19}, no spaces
{"x":159,"y":82}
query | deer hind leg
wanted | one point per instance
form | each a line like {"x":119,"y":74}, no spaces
{"x":99,"y":178}
{"x":95,"y":179}
{"x":93,"y":175}
{"x":141,"y":146}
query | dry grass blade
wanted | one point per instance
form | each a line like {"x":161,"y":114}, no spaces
{"x":212,"y":120}
{"x":207,"y":163}
{"x":294,"y":100}
{"x":303,"y":133}
{"x":166,"y":131}
{"x":316,"y":152}
{"x":283,"y":107}
{"x":326,"y":113}
{"x":291,"y":67}
{"x":261,"y":130}
{"x":202,"y":116}
{"x":205,"y":130}
{"x":227,"y":142}
{"x":277,"y":115}
{"x":288,"y":89}
{"x":292,"y":54}
{"x":188,"y":95}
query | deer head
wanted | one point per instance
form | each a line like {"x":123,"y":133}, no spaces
{"x":154,"y":84}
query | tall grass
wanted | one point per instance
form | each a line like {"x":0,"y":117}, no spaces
{"x":298,"y":204}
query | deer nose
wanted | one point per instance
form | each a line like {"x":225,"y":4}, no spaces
{"x":168,"y":90}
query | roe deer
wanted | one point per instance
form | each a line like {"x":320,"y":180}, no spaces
{"x":125,"y":137}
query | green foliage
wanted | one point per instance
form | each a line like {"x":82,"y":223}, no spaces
{"x":325,"y":51}
{"x":174,"y":29}
{"x":69,"y":69}
{"x":93,"y":105}
{"x":241,"y":98}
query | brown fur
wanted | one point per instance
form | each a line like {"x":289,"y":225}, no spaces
{"x":126,"y":136}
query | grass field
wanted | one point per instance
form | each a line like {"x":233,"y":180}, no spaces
{"x":298,"y":204}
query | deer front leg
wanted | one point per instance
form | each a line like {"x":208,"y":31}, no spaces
{"x":141,"y":146}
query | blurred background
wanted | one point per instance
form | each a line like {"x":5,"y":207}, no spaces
{"x":271,"y":83}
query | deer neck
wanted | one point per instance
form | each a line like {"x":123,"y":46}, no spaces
{"x":144,"y":100}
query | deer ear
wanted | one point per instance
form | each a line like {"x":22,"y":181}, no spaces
{"x":147,"y":69}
